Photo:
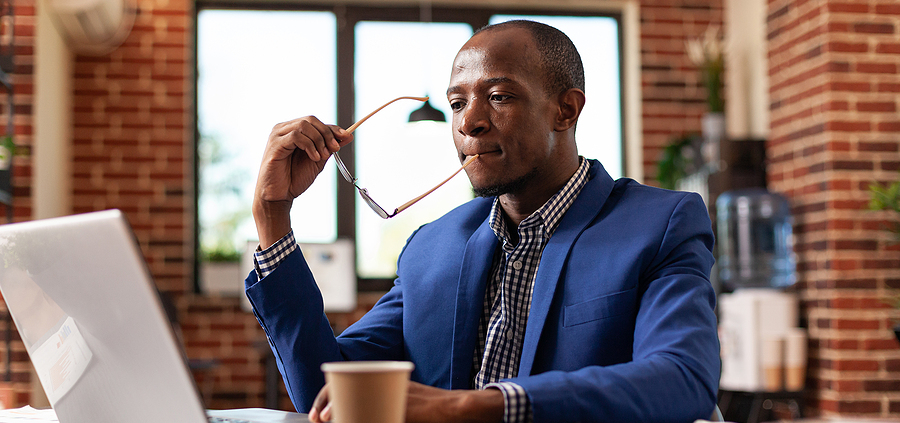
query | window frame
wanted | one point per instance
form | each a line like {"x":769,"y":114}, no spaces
{"x":349,"y":15}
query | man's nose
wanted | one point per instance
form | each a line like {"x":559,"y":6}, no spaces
{"x":475,"y":119}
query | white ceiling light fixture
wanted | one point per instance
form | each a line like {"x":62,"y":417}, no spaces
{"x":93,"y":26}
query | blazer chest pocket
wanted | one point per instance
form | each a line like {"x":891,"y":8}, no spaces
{"x":598,"y":308}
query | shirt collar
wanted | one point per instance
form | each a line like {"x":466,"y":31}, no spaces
{"x":547,"y":216}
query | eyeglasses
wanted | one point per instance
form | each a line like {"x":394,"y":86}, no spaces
{"x":364,"y":193}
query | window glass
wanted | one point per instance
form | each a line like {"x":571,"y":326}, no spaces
{"x":395,"y":160}
{"x":255,"y":69}
{"x":599,"y":131}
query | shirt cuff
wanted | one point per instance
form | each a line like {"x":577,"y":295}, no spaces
{"x":517,"y":406}
{"x":266,"y":261}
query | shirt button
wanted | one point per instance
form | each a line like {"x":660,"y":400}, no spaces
{"x":509,"y":333}
{"x":517,"y":265}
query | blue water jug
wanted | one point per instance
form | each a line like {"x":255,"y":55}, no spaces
{"x":755,"y":240}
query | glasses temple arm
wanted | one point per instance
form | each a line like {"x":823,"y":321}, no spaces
{"x":359,"y":122}
{"x":416,"y":200}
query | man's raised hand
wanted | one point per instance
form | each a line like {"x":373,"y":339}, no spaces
{"x":295,"y":154}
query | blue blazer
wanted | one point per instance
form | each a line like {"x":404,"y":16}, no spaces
{"x":621,"y":329}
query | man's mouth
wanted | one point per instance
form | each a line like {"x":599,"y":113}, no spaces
{"x":482,"y":154}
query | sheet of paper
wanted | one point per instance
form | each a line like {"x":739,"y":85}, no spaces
{"x":28,"y":414}
{"x":60,"y":360}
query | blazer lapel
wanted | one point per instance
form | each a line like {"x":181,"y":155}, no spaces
{"x":582,"y":212}
{"x":473,"y":276}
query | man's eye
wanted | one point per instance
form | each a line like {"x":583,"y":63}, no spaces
{"x":499,"y":97}
{"x":456,"y":105}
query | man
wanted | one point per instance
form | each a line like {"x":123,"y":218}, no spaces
{"x":560,"y":295}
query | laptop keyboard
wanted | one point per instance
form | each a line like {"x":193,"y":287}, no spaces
{"x":226,"y":420}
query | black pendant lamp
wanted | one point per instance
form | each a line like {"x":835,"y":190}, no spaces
{"x":427,"y":113}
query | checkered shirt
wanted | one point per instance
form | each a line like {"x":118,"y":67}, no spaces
{"x":508,"y":298}
{"x":507,"y":301}
{"x":266,"y":261}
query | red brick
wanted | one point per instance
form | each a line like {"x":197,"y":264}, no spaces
{"x":888,"y":126}
{"x":838,"y":146}
{"x":852,"y":324}
{"x":888,"y":48}
{"x":850,"y":204}
{"x":837,"y":105}
{"x":847,"y":385}
{"x":890,"y":166}
{"x":887,"y":9}
{"x":843,"y":264}
{"x":852,"y":165}
{"x":873,"y":28}
{"x":876,"y":106}
{"x":888,"y":87}
{"x":203,"y":344}
{"x":838,"y":26}
{"x":880,"y":344}
{"x":833,"y":66}
{"x":846,"y":47}
{"x":848,"y":126}
{"x":881,"y":264}
{"x":863,"y":245}
{"x":892,"y":365}
{"x":847,"y":406}
{"x":873,"y":225}
{"x":886,"y":68}
{"x":848,"y":7}
{"x":857,"y":303}
{"x":843,"y":344}
{"x":859,"y":87}
{"x":854,"y":365}
{"x":878,"y":146}
{"x":836,"y":224}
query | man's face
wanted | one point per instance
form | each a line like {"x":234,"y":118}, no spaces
{"x":502,"y":112}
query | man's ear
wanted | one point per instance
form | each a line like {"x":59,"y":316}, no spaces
{"x":571,"y":102}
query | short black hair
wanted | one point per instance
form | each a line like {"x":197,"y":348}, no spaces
{"x":560,"y":60}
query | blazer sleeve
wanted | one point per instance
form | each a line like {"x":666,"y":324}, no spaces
{"x":674,"y":372}
{"x":288,"y":305}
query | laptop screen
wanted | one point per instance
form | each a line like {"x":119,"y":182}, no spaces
{"x":91,"y":319}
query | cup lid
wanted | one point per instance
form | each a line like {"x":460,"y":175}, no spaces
{"x":367,"y":366}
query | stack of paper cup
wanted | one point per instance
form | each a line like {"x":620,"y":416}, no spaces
{"x":795,"y":359}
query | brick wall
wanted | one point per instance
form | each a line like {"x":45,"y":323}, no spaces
{"x":23,"y":99}
{"x":131,"y":137}
{"x":132,"y":150}
{"x":674,"y":99}
{"x":834,"y":128}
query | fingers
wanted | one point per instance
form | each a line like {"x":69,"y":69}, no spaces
{"x":309,"y":134}
{"x":321,"y":407}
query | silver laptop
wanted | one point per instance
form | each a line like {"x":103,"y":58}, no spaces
{"x":93,"y":324}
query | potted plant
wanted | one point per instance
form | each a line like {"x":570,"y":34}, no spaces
{"x":708,"y":54}
{"x":679,"y":159}
{"x":887,"y":197}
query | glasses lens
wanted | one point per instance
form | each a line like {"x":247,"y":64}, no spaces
{"x":342,"y":168}
{"x":378,"y":210}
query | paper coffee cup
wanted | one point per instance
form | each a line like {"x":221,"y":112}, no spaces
{"x":368,"y":391}
{"x":772,"y":360}
{"x":795,"y":359}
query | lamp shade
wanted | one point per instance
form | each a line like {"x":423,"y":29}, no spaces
{"x":427,"y":112}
